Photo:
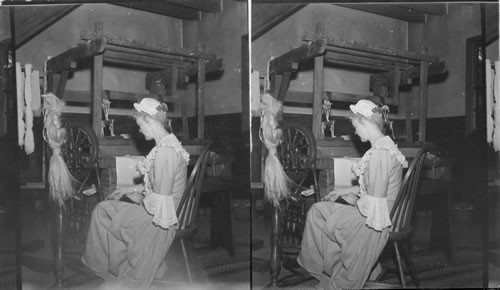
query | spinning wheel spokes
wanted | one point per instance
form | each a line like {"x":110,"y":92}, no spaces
{"x":80,"y":150}
{"x":297,"y":151}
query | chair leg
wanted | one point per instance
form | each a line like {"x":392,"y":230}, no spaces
{"x":186,"y":260}
{"x":400,"y":266}
{"x":411,"y":265}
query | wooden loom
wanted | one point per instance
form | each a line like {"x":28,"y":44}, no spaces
{"x":391,"y":68}
{"x":172,"y":67}
{"x":168,"y":65}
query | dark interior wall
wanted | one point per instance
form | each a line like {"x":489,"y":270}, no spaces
{"x":445,"y":37}
{"x":221,"y":34}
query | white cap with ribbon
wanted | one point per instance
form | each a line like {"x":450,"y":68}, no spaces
{"x":148,"y":105}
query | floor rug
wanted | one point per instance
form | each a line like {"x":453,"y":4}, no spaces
{"x":434,"y":270}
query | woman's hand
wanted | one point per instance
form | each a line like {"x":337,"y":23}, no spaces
{"x":351,"y":198}
{"x":340,"y":191}
{"x":135,"y":197}
{"x":115,"y":195}
{"x":332,"y":196}
{"x":119,"y":192}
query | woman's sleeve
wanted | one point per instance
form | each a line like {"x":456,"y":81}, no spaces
{"x":373,"y":205}
{"x":160,"y":202}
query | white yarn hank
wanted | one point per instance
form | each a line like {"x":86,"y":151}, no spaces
{"x":29,"y":141}
{"x":489,"y":103}
{"x":20,"y":104}
{"x":36,"y":97}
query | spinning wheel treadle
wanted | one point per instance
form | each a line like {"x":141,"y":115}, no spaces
{"x":80,"y":152}
{"x":297,"y":154}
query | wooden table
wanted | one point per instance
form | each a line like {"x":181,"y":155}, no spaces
{"x":219,"y":190}
{"x":436,"y":195}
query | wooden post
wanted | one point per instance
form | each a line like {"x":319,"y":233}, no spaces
{"x":395,"y":85}
{"x":201,"y":99}
{"x":97,"y":87}
{"x":283,"y":87}
{"x":409,"y":131}
{"x":318,"y":89}
{"x":423,"y":101}
{"x":59,"y":246}
{"x":275,"y":259}
{"x":275,"y":246}
{"x":50,"y":82}
{"x":317,"y":96}
{"x":61,"y":86}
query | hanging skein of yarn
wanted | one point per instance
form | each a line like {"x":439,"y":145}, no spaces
{"x":60,"y":179}
{"x":276,"y":182}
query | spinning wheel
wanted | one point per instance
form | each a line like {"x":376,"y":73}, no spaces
{"x":297,"y":154}
{"x":80,"y":152}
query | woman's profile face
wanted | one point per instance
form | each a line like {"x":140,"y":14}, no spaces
{"x":361,"y":129}
{"x":144,"y":128}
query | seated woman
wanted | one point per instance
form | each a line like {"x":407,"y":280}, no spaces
{"x":342,"y":240}
{"x":127,"y":241}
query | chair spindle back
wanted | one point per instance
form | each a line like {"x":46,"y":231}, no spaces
{"x":402,"y":211}
{"x":188,"y":206}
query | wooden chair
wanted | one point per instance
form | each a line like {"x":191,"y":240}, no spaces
{"x":188,"y":208}
{"x":401,"y":217}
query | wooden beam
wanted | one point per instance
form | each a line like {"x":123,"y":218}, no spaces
{"x":309,"y":1}
{"x":205,"y":5}
{"x":212,"y":66}
{"x":31,"y":20}
{"x":61,"y":86}
{"x":290,"y":60}
{"x":166,"y":9}
{"x":366,"y":47}
{"x":403,"y":62}
{"x":438,"y":9}
{"x":145,"y":62}
{"x":149,"y":46}
{"x":307,"y":97}
{"x":376,"y":64}
{"x":283,"y":87}
{"x":386,"y":78}
{"x":67,"y":60}
{"x":389,"y":10}
{"x":265,"y":17}
{"x":86,"y":97}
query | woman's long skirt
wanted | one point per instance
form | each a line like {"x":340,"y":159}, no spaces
{"x":338,"y":248}
{"x":124,"y":245}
